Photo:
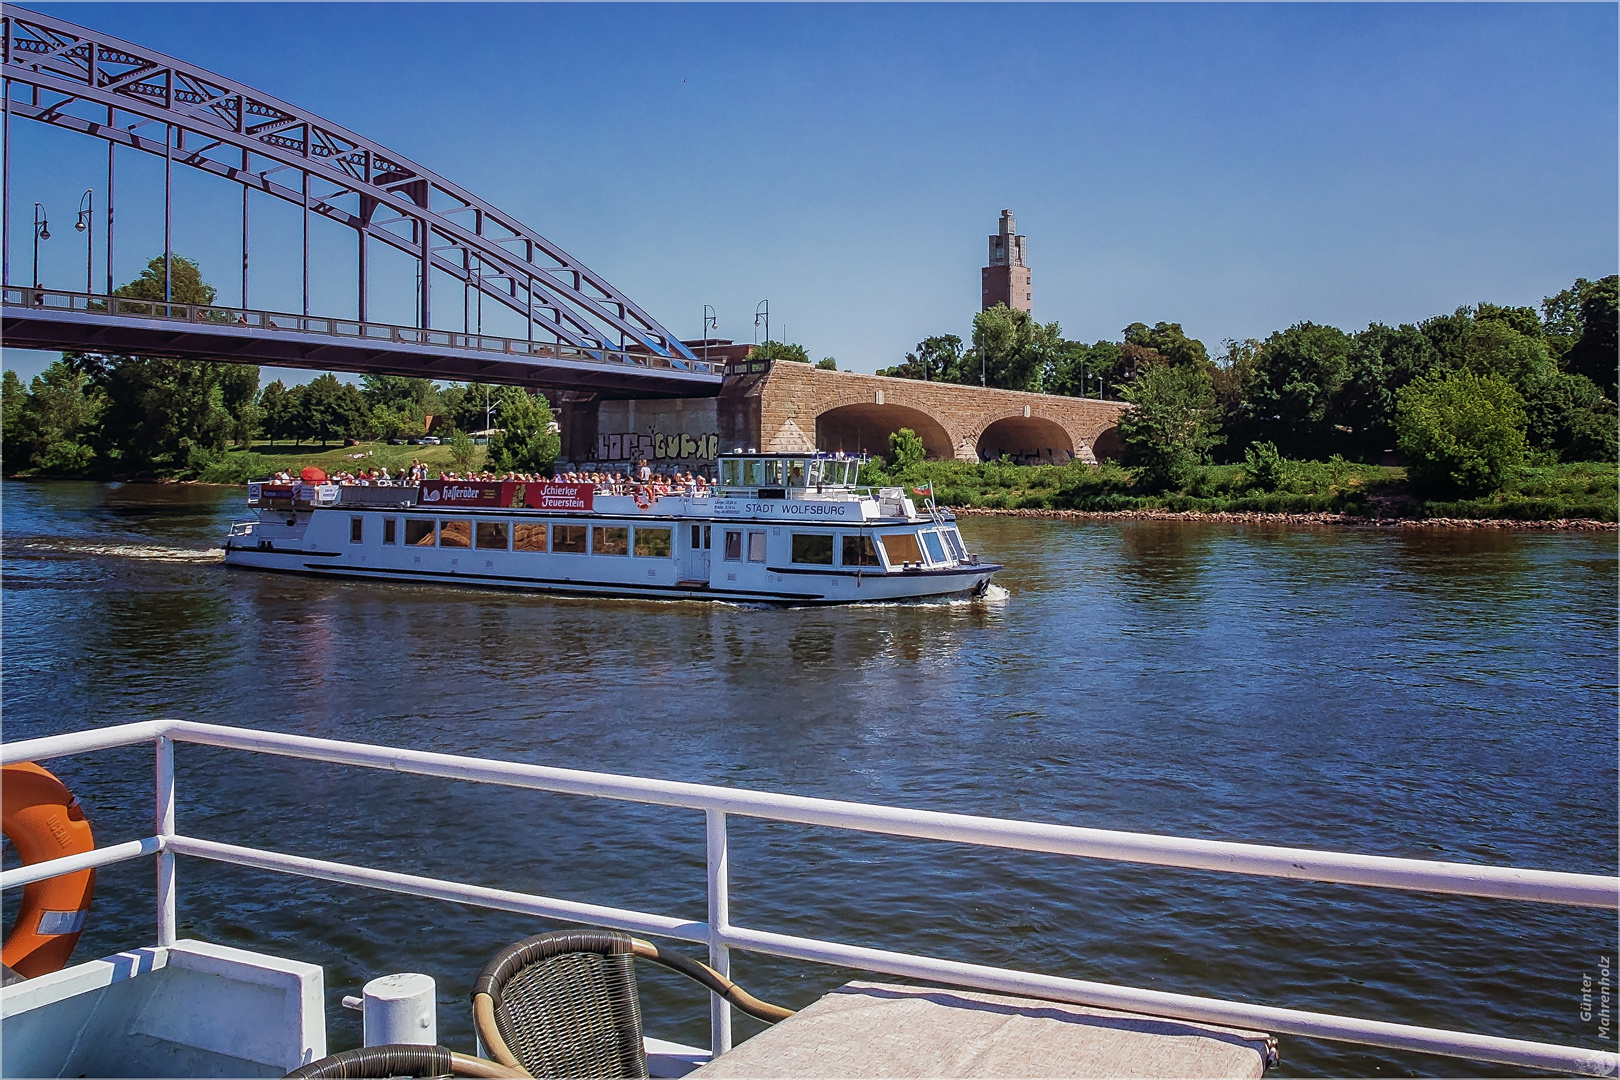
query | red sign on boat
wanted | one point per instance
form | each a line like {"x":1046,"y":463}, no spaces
{"x":549,"y":495}
{"x":464,"y":493}
{"x":544,"y":495}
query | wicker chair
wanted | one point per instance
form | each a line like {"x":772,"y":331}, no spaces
{"x":565,"y":1004}
{"x":401,"y":1059}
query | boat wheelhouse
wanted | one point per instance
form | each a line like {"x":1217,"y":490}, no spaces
{"x":777,"y":528}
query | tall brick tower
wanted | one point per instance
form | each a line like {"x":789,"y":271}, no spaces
{"x":1006,"y":279}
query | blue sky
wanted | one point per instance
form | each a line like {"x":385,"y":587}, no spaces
{"x":1234,"y":168}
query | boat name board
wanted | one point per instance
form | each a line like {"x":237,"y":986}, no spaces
{"x":792,"y":508}
{"x":544,"y":495}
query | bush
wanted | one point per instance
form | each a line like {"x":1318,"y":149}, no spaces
{"x":1460,"y":433}
{"x":905,"y":451}
{"x":1264,"y":465}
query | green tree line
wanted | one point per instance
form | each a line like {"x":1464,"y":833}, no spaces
{"x":1462,"y":397}
{"x":89,"y":414}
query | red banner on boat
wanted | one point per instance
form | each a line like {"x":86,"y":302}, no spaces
{"x":543,"y":495}
{"x":464,"y":493}
{"x":550,"y":495}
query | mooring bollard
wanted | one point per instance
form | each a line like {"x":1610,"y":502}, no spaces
{"x":401,"y":1008}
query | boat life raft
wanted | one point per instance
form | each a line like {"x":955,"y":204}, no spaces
{"x":43,"y":819}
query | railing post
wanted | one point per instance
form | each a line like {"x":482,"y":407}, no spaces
{"x":719,"y":925}
{"x":166,"y":928}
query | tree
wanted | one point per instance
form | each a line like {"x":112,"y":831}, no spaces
{"x":780,"y":350}
{"x":1169,"y":341}
{"x":54,"y":421}
{"x":1173,"y":424}
{"x":1460,"y":432}
{"x":1594,"y":355}
{"x":1569,"y":415}
{"x":827,"y":363}
{"x":13,"y":396}
{"x":330,"y":409}
{"x":936,"y":359}
{"x":1296,"y":377}
{"x":462,"y":450}
{"x":905,"y":450}
{"x":189,"y":286}
{"x":1561,"y":318}
{"x":528,"y":440}
{"x":276,"y":406}
{"x":1010,"y":349}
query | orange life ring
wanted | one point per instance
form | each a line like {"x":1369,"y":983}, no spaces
{"x":44,"y":821}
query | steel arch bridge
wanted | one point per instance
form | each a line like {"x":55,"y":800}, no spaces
{"x":582,"y":332}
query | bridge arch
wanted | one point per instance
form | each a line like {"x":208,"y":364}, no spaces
{"x":1027,"y":439}
{"x":866,"y":426}
{"x":94,"y":84}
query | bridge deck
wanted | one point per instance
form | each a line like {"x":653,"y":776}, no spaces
{"x":55,"y":319}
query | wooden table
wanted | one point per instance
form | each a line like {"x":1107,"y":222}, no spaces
{"x":874,"y":1030}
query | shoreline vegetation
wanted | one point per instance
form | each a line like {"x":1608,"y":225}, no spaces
{"x":1553,"y":496}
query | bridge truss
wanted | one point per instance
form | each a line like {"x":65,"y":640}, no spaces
{"x":77,"y":79}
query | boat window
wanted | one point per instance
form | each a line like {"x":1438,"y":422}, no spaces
{"x":812,"y":475}
{"x":733,"y":547}
{"x":901,"y":548}
{"x":753,"y":473}
{"x":419,"y":532}
{"x":491,"y":534}
{"x":773,"y":473}
{"x":653,"y":543}
{"x":568,"y":538}
{"x":756,"y":547}
{"x":936,"y":550}
{"x":729,"y":473}
{"x":860,"y":551}
{"x":357,"y":530}
{"x":813,"y":548}
{"x":455,"y":534}
{"x":528,"y":537}
{"x":390,"y":530}
{"x":953,"y":540}
{"x":795,"y":477}
{"x":610,"y":540}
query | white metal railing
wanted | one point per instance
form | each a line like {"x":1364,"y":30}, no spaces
{"x":721,"y":936}
{"x":230,"y":318}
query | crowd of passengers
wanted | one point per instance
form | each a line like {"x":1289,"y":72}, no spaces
{"x":640,"y":481}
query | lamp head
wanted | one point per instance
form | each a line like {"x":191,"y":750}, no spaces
{"x":45,"y":231}
{"x":79,"y":226}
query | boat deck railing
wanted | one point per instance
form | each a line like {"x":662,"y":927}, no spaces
{"x":721,"y":935}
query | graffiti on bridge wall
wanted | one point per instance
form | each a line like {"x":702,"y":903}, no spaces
{"x":657,"y":446}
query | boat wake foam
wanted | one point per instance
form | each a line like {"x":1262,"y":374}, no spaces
{"x":151,"y":552}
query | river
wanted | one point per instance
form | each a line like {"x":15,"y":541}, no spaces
{"x":1427,"y":693}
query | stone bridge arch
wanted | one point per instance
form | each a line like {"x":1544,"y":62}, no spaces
{"x":803,"y":408}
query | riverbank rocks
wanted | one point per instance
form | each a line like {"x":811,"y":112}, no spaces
{"x":1321,"y":519}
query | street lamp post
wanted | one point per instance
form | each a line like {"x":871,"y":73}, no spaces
{"x":87,"y":206}
{"x":710,"y":322}
{"x":42,"y":231}
{"x":763,"y":306}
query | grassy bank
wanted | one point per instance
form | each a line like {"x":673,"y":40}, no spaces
{"x":1585,"y":490}
{"x":241,"y":465}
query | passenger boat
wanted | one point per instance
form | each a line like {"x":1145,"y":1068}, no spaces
{"x":778,"y":528}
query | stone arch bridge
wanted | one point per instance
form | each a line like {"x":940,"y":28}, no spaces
{"x":786,"y":406}
{"x":797,"y":407}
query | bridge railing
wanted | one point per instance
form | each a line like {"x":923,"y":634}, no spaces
{"x":232,"y":319}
